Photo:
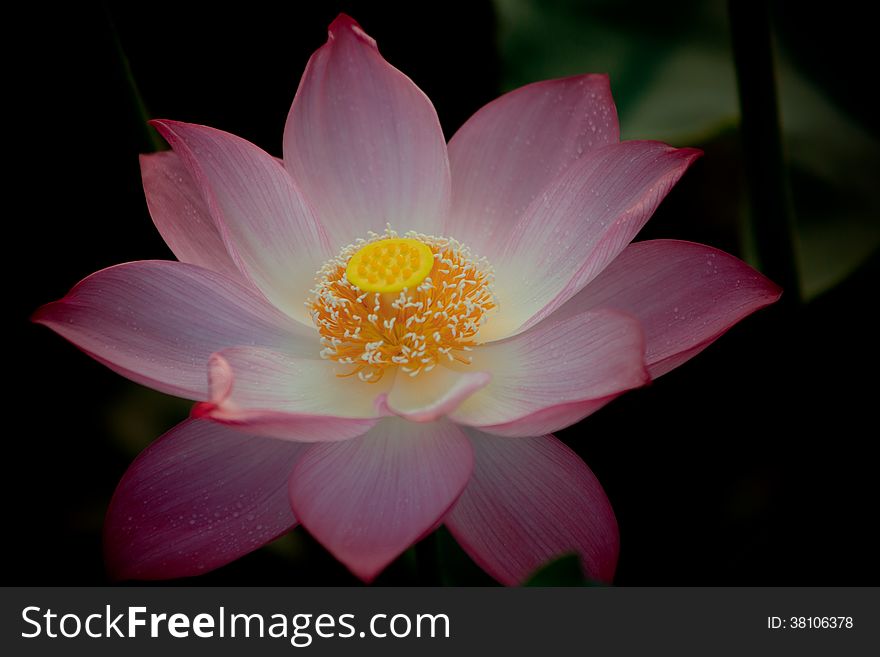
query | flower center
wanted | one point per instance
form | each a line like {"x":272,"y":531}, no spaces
{"x":390,"y":265}
{"x":411,"y":302}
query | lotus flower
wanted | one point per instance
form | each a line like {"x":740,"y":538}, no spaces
{"x":470,"y":299}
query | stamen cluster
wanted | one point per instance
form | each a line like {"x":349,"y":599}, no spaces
{"x":414,"y":329}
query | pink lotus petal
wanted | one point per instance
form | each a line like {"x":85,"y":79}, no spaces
{"x":368,"y":499}
{"x":268,"y":228}
{"x":364,"y":142}
{"x":538,"y":374}
{"x":269,"y":393}
{"x":507,"y":153}
{"x":431,"y":395}
{"x":578,"y":225}
{"x":158,"y":322}
{"x":531,"y":500}
{"x":196,"y":499}
{"x":558,"y":417}
{"x":685,"y":295}
{"x":181,"y":216}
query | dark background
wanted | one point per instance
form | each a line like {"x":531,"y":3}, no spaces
{"x":752,"y":464}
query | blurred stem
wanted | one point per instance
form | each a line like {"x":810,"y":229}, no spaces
{"x":771,"y":214}
{"x":150,"y":138}
{"x":427,"y":560}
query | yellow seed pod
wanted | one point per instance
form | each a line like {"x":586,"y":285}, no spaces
{"x":390,"y":265}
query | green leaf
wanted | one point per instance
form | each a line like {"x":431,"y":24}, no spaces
{"x":564,"y":571}
{"x":673,"y":79}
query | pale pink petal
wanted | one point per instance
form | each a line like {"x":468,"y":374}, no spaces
{"x":577,"y":226}
{"x":364,"y":142}
{"x":685,"y":295}
{"x":273,"y":394}
{"x":368,"y":499}
{"x":510,"y":150}
{"x":158,"y":322}
{"x":431,"y":395}
{"x":196,"y":499}
{"x":555,"y":373}
{"x":557,"y":417}
{"x":181,"y":216}
{"x":531,"y":500}
{"x":268,"y":228}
